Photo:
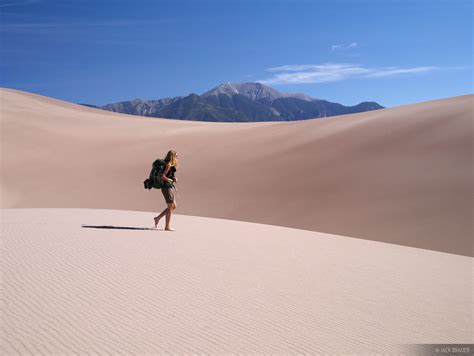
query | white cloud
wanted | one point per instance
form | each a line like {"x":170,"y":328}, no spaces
{"x":393,"y":71}
{"x":331,"y":72}
{"x":343,"y":47}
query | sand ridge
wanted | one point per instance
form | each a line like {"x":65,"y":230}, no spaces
{"x":401,"y":175}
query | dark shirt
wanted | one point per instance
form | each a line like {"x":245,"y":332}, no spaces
{"x":170,"y":175}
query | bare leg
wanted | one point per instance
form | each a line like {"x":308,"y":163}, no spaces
{"x":157,"y":219}
{"x":169,"y":209}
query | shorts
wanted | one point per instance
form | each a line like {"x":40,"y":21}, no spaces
{"x":168,"y":193}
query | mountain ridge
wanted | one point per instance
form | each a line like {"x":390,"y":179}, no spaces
{"x":237,"y":102}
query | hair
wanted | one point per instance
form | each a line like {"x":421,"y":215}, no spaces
{"x":171,"y":158}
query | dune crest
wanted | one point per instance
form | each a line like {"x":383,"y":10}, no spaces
{"x":401,"y":175}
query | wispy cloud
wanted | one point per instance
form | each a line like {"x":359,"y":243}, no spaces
{"x":100,"y":32}
{"x":60,"y":27}
{"x":19,"y":3}
{"x":343,"y":47}
{"x":331,"y":72}
{"x":386,"y":72}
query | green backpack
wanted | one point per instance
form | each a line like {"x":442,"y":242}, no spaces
{"x":154,"y":179}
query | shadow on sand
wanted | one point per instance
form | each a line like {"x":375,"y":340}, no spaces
{"x":118,"y":227}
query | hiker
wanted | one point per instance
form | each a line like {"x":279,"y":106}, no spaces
{"x":168,"y":189}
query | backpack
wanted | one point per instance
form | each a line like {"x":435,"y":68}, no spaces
{"x":154,"y":179}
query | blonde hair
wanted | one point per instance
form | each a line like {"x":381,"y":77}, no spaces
{"x":171,"y":158}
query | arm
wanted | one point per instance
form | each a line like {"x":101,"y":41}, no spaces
{"x":165,"y":172}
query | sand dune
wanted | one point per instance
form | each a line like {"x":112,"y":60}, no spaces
{"x":401,"y":175}
{"x":73,"y":286}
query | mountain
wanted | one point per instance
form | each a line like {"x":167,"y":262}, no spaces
{"x":254,"y":91}
{"x":234,"y":102}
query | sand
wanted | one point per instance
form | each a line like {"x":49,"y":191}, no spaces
{"x":72,"y":284}
{"x":349,"y":235}
{"x":401,"y":175}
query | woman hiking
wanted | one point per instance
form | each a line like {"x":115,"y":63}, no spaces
{"x":168,"y":188}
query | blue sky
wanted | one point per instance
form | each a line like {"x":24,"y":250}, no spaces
{"x":394,"y":52}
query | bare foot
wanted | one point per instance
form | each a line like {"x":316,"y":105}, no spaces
{"x":157,"y":219}
{"x":169,"y":229}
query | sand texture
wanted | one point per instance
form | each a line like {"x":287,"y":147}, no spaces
{"x":72,"y":284}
